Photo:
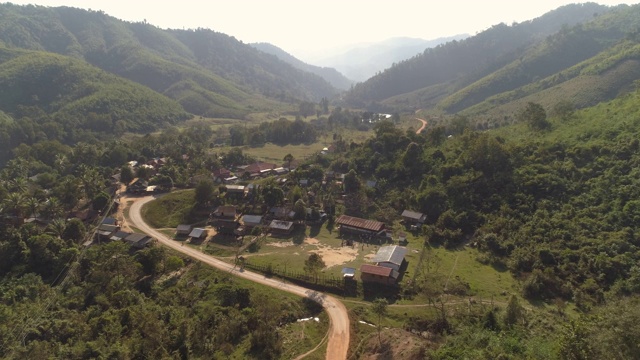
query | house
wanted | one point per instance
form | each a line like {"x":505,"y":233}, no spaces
{"x":224,"y":213}
{"x":230,"y":180}
{"x":251,"y":221}
{"x":109,"y":221}
{"x":372,"y":184}
{"x":235,"y":190}
{"x":183,"y":230}
{"x":281,"y":213}
{"x":390,"y":256}
{"x":304,"y":182}
{"x":377,"y":274}
{"x":105,"y":231}
{"x":257,"y":168}
{"x":138,"y":241}
{"x":198,"y":234}
{"x":138,"y":186}
{"x":224,"y":219}
{"x":358,"y":226}
{"x":219,"y":175}
{"x":279,"y":227}
{"x":413,"y":218}
{"x":280,"y":171}
{"x":119,"y":236}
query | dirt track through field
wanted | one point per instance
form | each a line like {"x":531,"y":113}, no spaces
{"x":338,"y":343}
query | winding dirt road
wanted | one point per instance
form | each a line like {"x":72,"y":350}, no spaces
{"x":424,"y":125}
{"x":338,"y":344}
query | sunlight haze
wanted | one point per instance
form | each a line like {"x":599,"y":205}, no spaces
{"x":310,"y":29}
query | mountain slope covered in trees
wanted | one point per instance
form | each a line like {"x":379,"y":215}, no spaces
{"x":331,"y":75}
{"x":500,"y":61}
{"x":208,"y":73}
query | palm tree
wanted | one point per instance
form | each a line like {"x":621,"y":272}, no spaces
{"x":32,"y":206}
{"x":56,"y":227}
{"x":15,"y":202}
{"x":18,"y":184}
{"x":52,"y":209}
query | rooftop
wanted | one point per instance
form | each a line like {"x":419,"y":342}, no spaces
{"x":197,"y":232}
{"x":375,"y":270}
{"x":360,"y":223}
{"x":413,"y":215}
{"x":392,"y":254}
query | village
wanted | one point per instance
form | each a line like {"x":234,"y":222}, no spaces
{"x":244,"y":223}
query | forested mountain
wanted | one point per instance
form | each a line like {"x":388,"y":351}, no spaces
{"x":504,"y":59}
{"x":331,"y":75}
{"x":208,"y":73}
{"x":364,"y":61}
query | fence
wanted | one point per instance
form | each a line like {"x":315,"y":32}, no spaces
{"x":320,"y":282}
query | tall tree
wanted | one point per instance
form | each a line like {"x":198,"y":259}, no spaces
{"x":379,"y":307}
{"x":288,"y":158}
{"x":535,"y":116}
{"x":313,"y":265}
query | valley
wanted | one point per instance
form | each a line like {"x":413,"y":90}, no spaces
{"x":182,"y":194}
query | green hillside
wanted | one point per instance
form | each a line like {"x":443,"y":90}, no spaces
{"x":588,"y":62}
{"x":68,"y":89}
{"x":208,"y":73}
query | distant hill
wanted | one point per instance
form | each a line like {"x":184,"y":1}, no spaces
{"x":208,"y":73}
{"x":362,"y":62}
{"x":78,"y":95}
{"x":331,"y":75}
{"x":583,"y":53}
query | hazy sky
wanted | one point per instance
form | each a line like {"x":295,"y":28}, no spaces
{"x":306,"y":28}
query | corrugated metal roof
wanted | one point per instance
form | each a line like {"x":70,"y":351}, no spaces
{"x":412,"y":215}
{"x":391,"y":254}
{"x":281,"y":225}
{"x":375,"y":270}
{"x":197,"y":232}
{"x":119,"y":235}
{"x":134,"y":238}
{"x":360,"y":223}
{"x":253,"y":219}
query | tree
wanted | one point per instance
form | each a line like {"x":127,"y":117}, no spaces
{"x":564,"y":109}
{"x":514,"y":312}
{"x":288,"y":158}
{"x":379,"y":307}
{"x":126,"y":175}
{"x":351,"y":182}
{"x":74,"y":230}
{"x":535,"y":116}
{"x":306,"y":108}
{"x":314,"y":264}
{"x":204,"y":192}
{"x":272,"y":195}
{"x":300,"y":210}
{"x":101,"y":201}
{"x":574,"y":342}
{"x":324,"y":104}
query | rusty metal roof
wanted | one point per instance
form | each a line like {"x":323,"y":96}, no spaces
{"x":375,"y":270}
{"x":365,"y":224}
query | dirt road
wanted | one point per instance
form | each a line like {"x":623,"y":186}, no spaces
{"x":339,"y":329}
{"x":424,"y":125}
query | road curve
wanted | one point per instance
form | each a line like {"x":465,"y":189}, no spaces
{"x":424,"y":125}
{"x":338,"y":343}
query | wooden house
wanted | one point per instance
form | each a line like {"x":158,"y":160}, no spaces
{"x":413,"y":217}
{"x":279,"y":227}
{"x":358,"y":226}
